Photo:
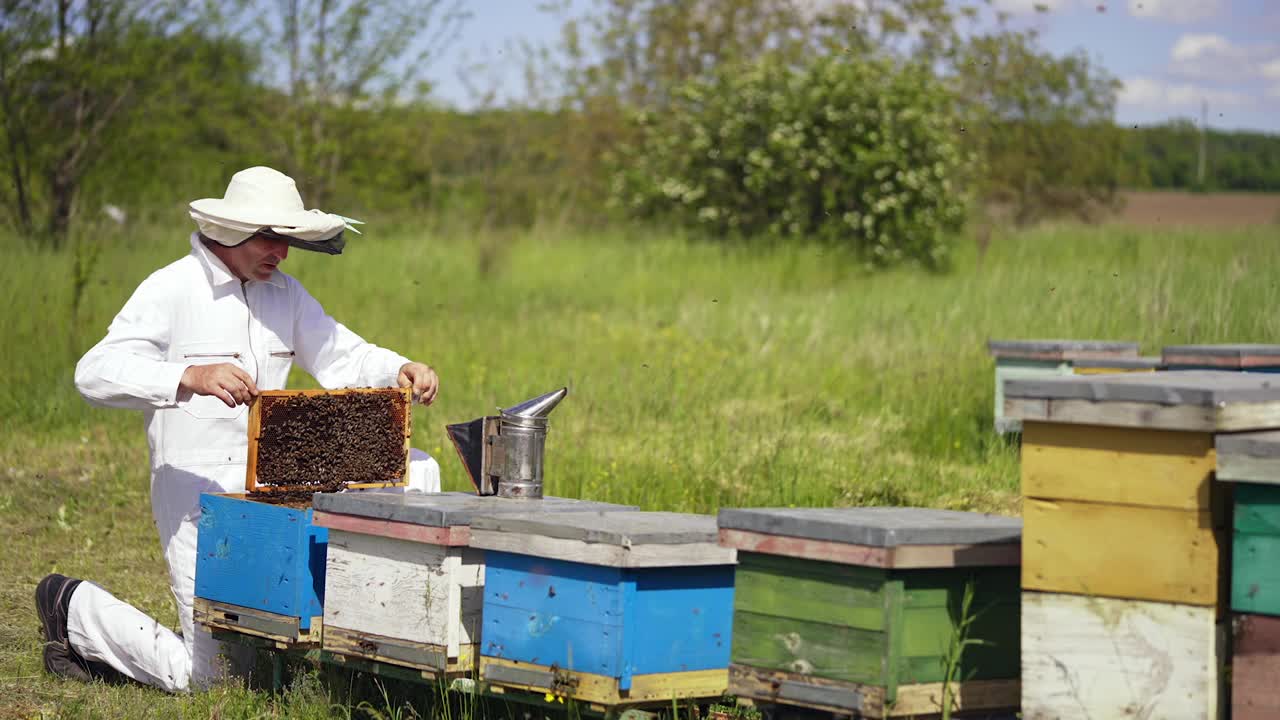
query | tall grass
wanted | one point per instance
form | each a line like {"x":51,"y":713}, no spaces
{"x":701,"y":376}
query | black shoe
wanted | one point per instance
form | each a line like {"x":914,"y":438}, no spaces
{"x":53,"y":598}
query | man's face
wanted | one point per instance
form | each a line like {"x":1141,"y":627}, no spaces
{"x":258,"y":257}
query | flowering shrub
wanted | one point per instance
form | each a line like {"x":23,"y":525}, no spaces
{"x":861,"y":152}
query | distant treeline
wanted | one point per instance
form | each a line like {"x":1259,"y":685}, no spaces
{"x":883,"y":126}
{"x":1168,"y":156}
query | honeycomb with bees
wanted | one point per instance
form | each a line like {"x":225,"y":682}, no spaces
{"x":307,"y":441}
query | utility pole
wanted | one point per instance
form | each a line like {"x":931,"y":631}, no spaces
{"x":1204,"y":127}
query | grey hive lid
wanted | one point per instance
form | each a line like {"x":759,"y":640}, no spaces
{"x":621,"y":528}
{"x":1225,"y":355}
{"x":1061,"y":349}
{"x":447,"y":509}
{"x":884,"y":527}
{"x":1201,"y":388}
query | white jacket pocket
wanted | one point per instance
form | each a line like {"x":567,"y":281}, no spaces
{"x":207,"y":407}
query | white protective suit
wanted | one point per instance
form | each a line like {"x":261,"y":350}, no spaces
{"x":195,"y":311}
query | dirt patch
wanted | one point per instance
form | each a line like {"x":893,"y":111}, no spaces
{"x":1185,"y":209}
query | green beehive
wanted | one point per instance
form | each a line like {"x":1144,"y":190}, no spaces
{"x":1037,"y":359}
{"x":860,"y":610}
{"x":1251,"y":461}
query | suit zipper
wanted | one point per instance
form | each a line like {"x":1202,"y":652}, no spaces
{"x":235,"y":355}
{"x":248,"y":327}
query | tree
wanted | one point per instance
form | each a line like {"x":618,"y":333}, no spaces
{"x":345,"y":55}
{"x":72,"y":73}
{"x":1044,"y":125}
{"x":858,"y":152}
{"x":639,"y":51}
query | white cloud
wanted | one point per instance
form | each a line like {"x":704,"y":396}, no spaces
{"x":1028,"y":7}
{"x":1152,"y":94}
{"x":1178,"y":11}
{"x":1271,"y":70}
{"x":1207,"y":56}
{"x":1195,"y":46}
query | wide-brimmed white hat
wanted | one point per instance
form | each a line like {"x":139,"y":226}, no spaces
{"x":260,"y":198}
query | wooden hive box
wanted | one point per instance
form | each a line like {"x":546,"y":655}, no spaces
{"x":1045,"y":358}
{"x":1117,"y":480}
{"x":1120,"y":508}
{"x":1086,"y":657}
{"x":1255,"y":665}
{"x":325,"y":440}
{"x":402,"y":586}
{"x":853,"y":610}
{"x":260,"y":569}
{"x":1250,"y":358}
{"x":612,"y":609}
{"x":1251,"y":461}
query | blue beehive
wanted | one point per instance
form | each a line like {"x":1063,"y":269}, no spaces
{"x":612,"y":608}
{"x":260,"y":568}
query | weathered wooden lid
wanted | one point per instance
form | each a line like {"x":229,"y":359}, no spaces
{"x":614,"y":538}
{"x":447,"y":509}
{"x":1222,"y":356}
{"x":1248,"y":457}
{"x":1208,"y":400}
{"x":877,"y":526}
{"x":1141,"y":363}
{"x":1061,"y":349}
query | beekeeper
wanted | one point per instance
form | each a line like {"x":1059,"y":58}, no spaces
{"x":195,"y":343}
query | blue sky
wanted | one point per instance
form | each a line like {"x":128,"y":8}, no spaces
{"x":1170,"y":54}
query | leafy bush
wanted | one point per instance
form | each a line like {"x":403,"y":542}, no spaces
{"x":861,"y":152}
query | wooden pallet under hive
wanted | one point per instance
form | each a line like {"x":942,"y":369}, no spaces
{"x":304,"y":441}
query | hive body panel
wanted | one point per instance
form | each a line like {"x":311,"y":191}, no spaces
{"x":1093,"y":657}
{"x":1255,"y":666}
{"x":606,"y":621}
{"x":260,"y":556}
{"x":400,"y":589}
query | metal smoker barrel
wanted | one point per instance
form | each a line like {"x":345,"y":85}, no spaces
{"x":523,"y":429}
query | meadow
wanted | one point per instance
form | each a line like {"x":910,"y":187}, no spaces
{"x":700,"y":376}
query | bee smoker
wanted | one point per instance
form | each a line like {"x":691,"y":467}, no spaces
{"x":503,"y":454}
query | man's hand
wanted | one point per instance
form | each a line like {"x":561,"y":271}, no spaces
{"x":227,"y":382}
{"x":422,"y":378}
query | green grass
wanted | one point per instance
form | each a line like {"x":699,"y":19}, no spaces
{"x":701,"y":376}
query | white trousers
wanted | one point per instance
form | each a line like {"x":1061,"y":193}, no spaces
{"x":105,"y":629}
